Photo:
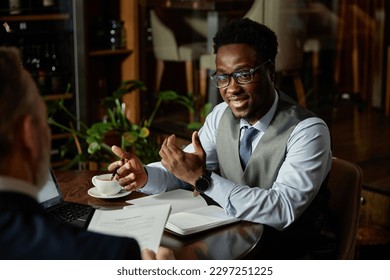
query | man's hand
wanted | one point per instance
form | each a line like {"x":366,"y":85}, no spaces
{"x":130,"y":171}
{"x":162,"y":254}
{"x":185,"y":166}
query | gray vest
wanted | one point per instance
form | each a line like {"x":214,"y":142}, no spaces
{"x":315,"y":225}
{"x":270,"y":152}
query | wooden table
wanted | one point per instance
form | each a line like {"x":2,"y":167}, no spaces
{"x":236,"y":241}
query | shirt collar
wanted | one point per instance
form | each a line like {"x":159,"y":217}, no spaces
{"x":264,"y":122}
{"x":16,"y":185}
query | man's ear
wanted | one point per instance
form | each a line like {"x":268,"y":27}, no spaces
{"x":28,"y":136}
{"x":271,"y":71}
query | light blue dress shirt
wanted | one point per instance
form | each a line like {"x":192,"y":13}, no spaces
{"x":307,"y":163}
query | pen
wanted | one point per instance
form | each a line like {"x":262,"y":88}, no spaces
{"x":114,"y":173}
{"x":116,"y":169}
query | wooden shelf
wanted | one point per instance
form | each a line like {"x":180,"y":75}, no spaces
{"x":105,"y":68}
{"x":40,"y":17}
{"x":110,"y":52}
{"x":38,"y":29}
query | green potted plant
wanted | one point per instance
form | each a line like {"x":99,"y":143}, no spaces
{"x":93,"y":143}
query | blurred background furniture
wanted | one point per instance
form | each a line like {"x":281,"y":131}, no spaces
{"x":166,"y":48}
{"x":373,"y":238}
{"x":345,"y":185}
{"x":360,"y":59}
{"x":387,"y":104}
{"x":206,"y":64}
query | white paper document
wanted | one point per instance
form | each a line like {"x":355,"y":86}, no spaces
{"x":145,"y":224}
{"x":199,"y":219}
{"x":179,"y":199}
{"x":189,"y":214}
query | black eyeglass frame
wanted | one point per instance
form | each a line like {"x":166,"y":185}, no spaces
{"x":236,"y":75}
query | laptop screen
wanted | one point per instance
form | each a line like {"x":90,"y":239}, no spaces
{"x":50,"y":194}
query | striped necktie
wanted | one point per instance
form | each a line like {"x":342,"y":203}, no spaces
{"x":246,"y":144}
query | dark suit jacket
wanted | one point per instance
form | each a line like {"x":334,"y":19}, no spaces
{"x":27,"y":232}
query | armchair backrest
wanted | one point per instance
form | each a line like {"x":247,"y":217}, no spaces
{"x":279,"y":17}
{"x":164,"y":42}
{"x":345,"y":184}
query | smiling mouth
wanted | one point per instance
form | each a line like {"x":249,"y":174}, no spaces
{"x":238,"y":98}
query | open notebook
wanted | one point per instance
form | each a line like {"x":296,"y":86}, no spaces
{"x":189,"y":214}
{"x":50,"y":198}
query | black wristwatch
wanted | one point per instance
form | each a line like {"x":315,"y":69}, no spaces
{"x":203,"y":183}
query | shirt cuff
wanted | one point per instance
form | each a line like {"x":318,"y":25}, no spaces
{"x":220,"y":191}
{"x":153,"y":185}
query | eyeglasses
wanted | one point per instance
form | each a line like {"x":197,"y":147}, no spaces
{"x":241,"y":77}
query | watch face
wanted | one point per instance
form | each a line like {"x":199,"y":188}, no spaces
{"x":202,"y":184}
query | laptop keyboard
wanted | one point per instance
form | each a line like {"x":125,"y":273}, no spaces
{"x":69,"y":212}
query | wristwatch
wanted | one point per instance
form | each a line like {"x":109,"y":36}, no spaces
{"x":203,"y":183}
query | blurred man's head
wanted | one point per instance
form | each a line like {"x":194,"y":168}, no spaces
{"x":24,"y":132}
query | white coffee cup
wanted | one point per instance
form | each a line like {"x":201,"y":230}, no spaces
{"x":105,"y":185}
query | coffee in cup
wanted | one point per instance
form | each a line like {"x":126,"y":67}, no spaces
{"x":105,"y":186}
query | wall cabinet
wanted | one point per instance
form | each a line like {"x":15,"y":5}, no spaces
{"x":106,"y":61}
{"x":44,"y":33}
{"x":86,"y":70}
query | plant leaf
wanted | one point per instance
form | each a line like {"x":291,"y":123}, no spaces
{"x":93,"y":148}
{"x":130,"y":137}
{"x":168,"y":95}
{"x":144,"y":132}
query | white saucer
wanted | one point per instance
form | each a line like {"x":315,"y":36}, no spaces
{"x":94,"y":193}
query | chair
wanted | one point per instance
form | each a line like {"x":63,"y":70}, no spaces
{"x":166,"y":48}
{"x":290,"y":52}
{"x":206,"y":62}
{"x":345,"y":185}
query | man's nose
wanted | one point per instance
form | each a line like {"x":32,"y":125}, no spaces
{"x":233,"y":86}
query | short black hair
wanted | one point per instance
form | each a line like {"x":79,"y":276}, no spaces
{"x":247,"y":31}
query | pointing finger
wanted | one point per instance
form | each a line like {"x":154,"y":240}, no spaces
{"x":120,"y":152}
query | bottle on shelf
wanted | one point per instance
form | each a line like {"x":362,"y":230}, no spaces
{"x":15,"y":7}
{"x":49,"y":6}
{"x":42,"y":6}
{"x":48,"y":3}
{"x":107,"y":34}
{"x":40,"y":69}
{"x":35,"y":61}
{"x":116,"y":35}
{"x":53,"y":71}
{"x":46,"y":62}
{"x":27,"y":57}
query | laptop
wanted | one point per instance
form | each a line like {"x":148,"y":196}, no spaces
{"x":51,"y":199}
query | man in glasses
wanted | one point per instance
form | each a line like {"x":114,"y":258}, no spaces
{"x":259,"y":155}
